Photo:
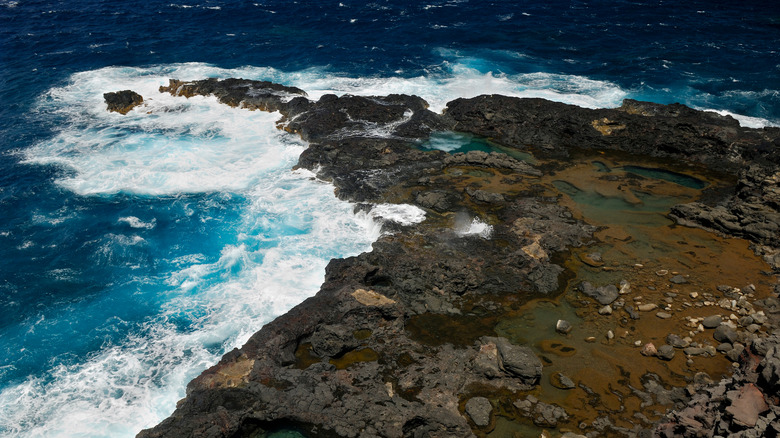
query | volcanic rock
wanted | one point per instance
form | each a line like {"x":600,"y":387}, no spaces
{"x":122,"y":101}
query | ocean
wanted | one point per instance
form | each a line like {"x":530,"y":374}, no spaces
{"x":138,"y":249}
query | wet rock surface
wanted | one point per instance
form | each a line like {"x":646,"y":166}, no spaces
{"x":401,"y":341}
{"x":122,"y":101}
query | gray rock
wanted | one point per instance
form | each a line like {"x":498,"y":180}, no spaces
{"x":631,"y":312}
{"x":603,"y":294}
{"x":567,"y":382}
{"x":724,"y":333}
{"x":563,"y":326}
{"x":676,"y":341}
{"x":712,"y":321}
{"x":724,"y":347}
{"x":519,"y":361}
{"x":735,"y":352}
{"x":663,"y":315}
{"x":479,"y":410}
{"x":665,"y":352}
{"x":678,"y":279}
{"x":332,"y":340}
{"x":694,"y":351}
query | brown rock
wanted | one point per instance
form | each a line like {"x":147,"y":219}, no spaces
{"x":747,"y":403}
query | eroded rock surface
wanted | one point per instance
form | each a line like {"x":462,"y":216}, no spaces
{"x":122,"y":101}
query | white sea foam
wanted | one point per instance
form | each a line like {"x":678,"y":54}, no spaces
{"x":746,"y":121}
{"x":475,"y":228}
{"x":134,"y":222}
{"x":403,"y":214}
{"x":292,"y":227}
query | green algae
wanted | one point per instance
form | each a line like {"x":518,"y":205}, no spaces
{"x":305,"y":357}
{"x":354,"y":357}
{"x":436,"y":329}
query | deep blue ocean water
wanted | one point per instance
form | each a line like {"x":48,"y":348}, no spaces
{"x":137,"y":249}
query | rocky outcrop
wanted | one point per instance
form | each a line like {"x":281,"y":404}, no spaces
{"x":744,"y":405}
{"x":122,"y":101}
{"x":400,"y":341}
{"x":752,"y":213}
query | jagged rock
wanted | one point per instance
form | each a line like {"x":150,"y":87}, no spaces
{"x":665,"y":352}
{"x":603,"y":294}
{"x":518,"y":360}
{"x":747,"y":403}
{"x":479,"y":410}
{"x":676,"y":341}
{"x":649,"y":350}
{"x":122,"y":101}
{"x":563,"y":326}
{"x":332,"y":340}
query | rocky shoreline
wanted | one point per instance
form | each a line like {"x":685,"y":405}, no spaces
{"x":405,"y":340}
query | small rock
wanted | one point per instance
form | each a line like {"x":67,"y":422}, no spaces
{"x":661,"y":272}
{"x":647,"y":307}
{"x":666,"y":352}
{"x":606,"y":310}
{"x":724,"y":347}
{"x":637,"y":343}
{"x":711,"y":322}
{"x":724,"y":333}
{"x":563,"y":326}
{"x":610,"y":335}
{"x":677,"y":342}
{"x":678,"y":279}
{"x":562,"y":381}
{"x":694,"y":351}
{"x":649,"y":350}
{"x":735,"y":352}
{"x":479,"y":410}
{"x":694,"y":295}
{"x":759,"y":317}
{"x":663,"y":315}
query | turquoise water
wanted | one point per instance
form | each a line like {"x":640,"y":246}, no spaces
{"x":457,"y":142}
{"x":667,"y":175}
